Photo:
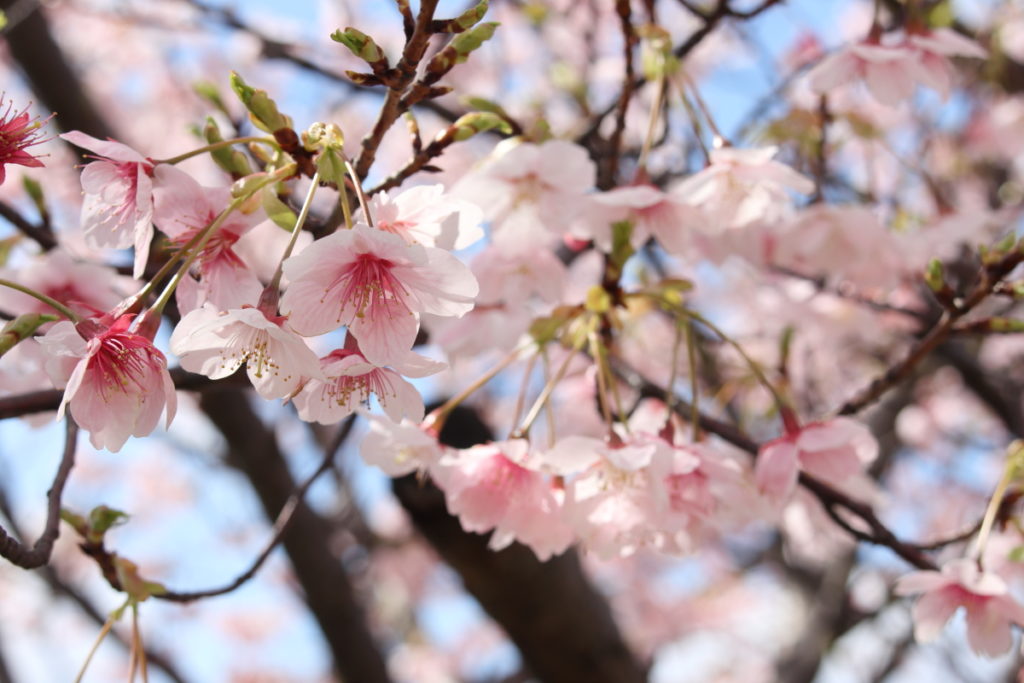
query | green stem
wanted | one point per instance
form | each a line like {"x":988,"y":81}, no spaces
{"x":218,"y":145}
{"x":297,"y":230}
{"x":207,"y":232}
{"x":780,"y":403}
{"x":52,"y":303}
{"x":1009,"y":474}
{"x":549,"y":388}
{"x":359,"y":192}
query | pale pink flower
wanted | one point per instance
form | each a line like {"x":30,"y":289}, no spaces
{"x":934,"y":47}
{"x":398,"y":448}
{"x":85,"y":288}
{"x":117,"y":211}
{"x":890,"y":71}
{"x":181,"y":209}
{"x":216,"y":343}
{"x":119,"y":384}
{"x":887,"y":71}
{"x":835,"y":450}
{"x":499,"y":486}
{"x":351,"y":379}
{"x":610,"y":496}
{"x":842,"y":243}
{"x":530,"y":192}
{"x":984,"y":596}
{"x":513,"y":276}
{"x":741,"y":187}
{"x":377,"y":285}
{"x":653,"y":212}
{"x":426,"y":215}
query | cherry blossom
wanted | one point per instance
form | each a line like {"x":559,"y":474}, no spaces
{"x":398,"y":448}
{"x":499,"y":486}
{"x":377,"y":285}
{"x":933,"y":50}
{"x":86,"y":288}
{"x":426,"y":215}
{"x":961,"y":583}
{"x":18,"y":132}
{"x":835,"y":450}
{"x":741,"y":187}
{"x":351,"y":379}
{"x":117,"y":211}
{"x":181,"y":209}
{"x":532,"y":192}
{"x":653,"y":213}
{"x":216,"y":343}
{"x":118,"y":384}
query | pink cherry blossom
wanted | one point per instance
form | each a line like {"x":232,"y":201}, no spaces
{"x":835,"y":450}
{"x":181,"y":209}
{"x":530,"y":192}
{"x":653,"y":212}
{"x":18,"y":132}
{"x":513,"y":276}
{"x":117,"y":211}
{"x":398,"y":448}
{"x":216,"y":343}
{"x":377,"y":285}
{"x":887,"y":71}
{"x":426,"y":215}
{"x":984,"y":596}
{"x":351,"y":379}
{"x":499,"y":486}
{"x":933,"y":50}
{"x":741,"y":187}
{"x":844,"y":243}
{"x":86,"y":288}
{"x":119,"y":384}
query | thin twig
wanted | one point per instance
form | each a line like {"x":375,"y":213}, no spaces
{"x":39,"y":554}
{"x":39,"y":233}
{"x":280,"y":527}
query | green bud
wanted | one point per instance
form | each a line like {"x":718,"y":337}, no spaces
{"x":470,"y":17}
{"x":466,"y":42}
{"x":262,"y":109}
{"x":229,"y":159}
{"x":360,"y":44}
{"x":934,"y":275}
{"x":21,"y":328}
{"x":475,"y":122}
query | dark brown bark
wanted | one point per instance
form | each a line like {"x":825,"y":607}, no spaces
{"x":562,"y":626}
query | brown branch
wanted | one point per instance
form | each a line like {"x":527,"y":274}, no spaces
{"x":42,"y":236}
{"x":989,"y":276}
{"x":832,"y":499}
{"x":405,"y":72}
{"x":329,"y":593}
{"x":609,"y":170}
{"x":711,"y":21}
{"x":39,"y":554}
{"x":280,"y":528}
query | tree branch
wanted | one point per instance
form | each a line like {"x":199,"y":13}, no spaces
{"x":39,"y":554}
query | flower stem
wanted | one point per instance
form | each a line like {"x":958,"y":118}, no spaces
{"x":205,"y":235}
{"x":359,"y":192}
{"x":52,"y":303}
{"x":1010,"y":472}
{"x":218,"y":145}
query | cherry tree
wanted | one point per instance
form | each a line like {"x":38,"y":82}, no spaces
{"x":530,"y":310}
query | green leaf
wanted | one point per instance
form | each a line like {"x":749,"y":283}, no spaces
{"x":622,"y":249}
{"x":934,"y":275}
